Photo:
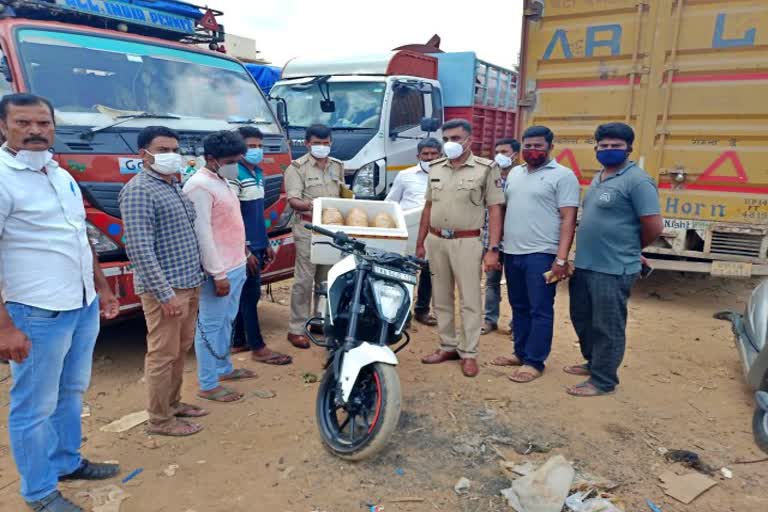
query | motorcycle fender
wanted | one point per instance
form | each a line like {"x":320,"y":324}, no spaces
{"x":358,"y":358}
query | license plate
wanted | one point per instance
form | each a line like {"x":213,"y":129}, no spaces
{"x":394,"y":274}
{"x":731,"y":269}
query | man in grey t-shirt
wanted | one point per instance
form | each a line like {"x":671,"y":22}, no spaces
{"x":542,"y":198}
{"x":620,"y":216}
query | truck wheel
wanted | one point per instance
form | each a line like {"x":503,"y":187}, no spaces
{"x":363,"y":426}
{"x":760,"y":428}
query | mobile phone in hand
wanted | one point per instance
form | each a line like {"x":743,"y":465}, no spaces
{"x":646,"y":271}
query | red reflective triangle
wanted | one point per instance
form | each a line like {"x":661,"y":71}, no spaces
{"x":741,"y":174}
{"x":208,"y":21}
{"x":567,"y":156}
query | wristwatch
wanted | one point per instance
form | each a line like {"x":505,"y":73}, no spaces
{"x":495,"y":248}
{"x":560,"y":263}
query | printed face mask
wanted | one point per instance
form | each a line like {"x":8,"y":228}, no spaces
{"x":535,"y":157}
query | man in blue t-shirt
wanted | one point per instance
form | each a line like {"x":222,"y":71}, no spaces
{"x":249,"y":188}
{"x":620,"y":215}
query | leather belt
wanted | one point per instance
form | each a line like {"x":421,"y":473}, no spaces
{"x":450,"y":234}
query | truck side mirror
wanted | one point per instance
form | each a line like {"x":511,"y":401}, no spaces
{"x":282,"y":113}
{"x":430,"y":124}
{"x":328,"y":106}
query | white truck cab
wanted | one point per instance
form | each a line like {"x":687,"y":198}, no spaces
{"x":378,"y":106}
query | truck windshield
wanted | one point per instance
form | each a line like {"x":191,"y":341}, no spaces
{"x":92,"y":81}
{"x":358,"y":104}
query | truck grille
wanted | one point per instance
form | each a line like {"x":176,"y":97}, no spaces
{"x":736,"y":244}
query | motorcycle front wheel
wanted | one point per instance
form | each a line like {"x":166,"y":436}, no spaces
{"x":760,"y":428}
{"x":360,"y":428}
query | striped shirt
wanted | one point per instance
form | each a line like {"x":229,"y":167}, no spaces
{"x":249,"y":187}
{"x":159,"y":236}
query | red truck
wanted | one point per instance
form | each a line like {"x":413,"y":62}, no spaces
{"x":111,"y":68}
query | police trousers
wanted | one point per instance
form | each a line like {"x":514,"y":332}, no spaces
{"x":306,"y":277}
{"x":457,"y":263}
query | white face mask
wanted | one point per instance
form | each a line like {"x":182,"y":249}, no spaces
{"x":166,"y":163}
{"x":453,"y":150}
{"x":503,"y":160}
{"x":424,"y":166}
{"x":34,"y":160}
{"x":228,"y":171}
{"x":319,"y":151}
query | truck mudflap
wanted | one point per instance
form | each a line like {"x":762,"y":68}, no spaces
{"x":120,"y":274}
{"x":717,"y":248}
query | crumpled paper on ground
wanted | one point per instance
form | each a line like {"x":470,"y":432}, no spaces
{"x":106,"y":499}
{"x":544,"y":490}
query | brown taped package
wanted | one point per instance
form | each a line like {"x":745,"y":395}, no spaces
{"x":332,"y":216}
{"x":383,"y":220}
{"x":357,"y":218}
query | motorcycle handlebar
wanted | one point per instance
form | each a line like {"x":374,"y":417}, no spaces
{"x":322,"y":231}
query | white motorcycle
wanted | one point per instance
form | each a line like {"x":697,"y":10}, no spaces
{"x":751,"y":332}
{"x":368,"y":298}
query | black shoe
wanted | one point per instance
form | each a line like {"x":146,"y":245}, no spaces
{"x":54,"y":502}
{"x":92,"y":471}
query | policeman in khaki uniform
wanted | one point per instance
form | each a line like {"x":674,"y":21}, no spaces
{"x":461,"y":188}
{"x":311,"y":176}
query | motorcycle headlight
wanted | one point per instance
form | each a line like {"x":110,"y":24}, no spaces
{"x":364,"y":181}
{"x":389,"y":299}
{"x":100,"y":241}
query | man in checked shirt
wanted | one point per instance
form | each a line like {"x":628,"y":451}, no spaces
{"x":162,"y":245}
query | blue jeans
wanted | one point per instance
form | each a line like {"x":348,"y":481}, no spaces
{"x":247,"y":327}
{"x":214,"y":329}
{"x":533,"y":306}
{"x":47,"y":393}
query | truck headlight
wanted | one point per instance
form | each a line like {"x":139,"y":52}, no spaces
{"x":364,"y":180}
{"x":389,"y":299}
{"x":100,"y":241}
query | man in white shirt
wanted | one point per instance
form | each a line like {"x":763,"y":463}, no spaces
{"x":49,"y":316}
{"x":408,"y":189}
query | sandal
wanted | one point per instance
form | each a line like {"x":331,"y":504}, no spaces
{"x":190,"y":411}
{"x":273,"y":358}
{"x":239,"y":350}
{"x":525,"y":375}
{"x":238,"y":374}
{"x":178,"y":428}
{"x":220,"y":394}
{"x":578,"y":369}
{"x":488,"y":327}
{"x":586,"y":389}
{"x":507,"y":361}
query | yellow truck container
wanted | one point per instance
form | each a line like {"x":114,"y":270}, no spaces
{"x":691,"y":77}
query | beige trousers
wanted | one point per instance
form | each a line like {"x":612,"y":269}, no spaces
{"x":457,"y":263}
{"x":168,"y":341}
{"x":305,"y":277}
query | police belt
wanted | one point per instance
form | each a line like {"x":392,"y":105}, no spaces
{"x":450,"y":234}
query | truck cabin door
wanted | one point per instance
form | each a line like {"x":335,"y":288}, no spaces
{"x":411,"y":102}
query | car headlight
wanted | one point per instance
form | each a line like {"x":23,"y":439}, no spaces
{"x":389,"y":299}
{"x":364,"y":181}
{"x":100,"y":241}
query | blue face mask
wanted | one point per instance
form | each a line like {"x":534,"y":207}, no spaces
{"x":612,"y":157}
{"x":254,"y":156}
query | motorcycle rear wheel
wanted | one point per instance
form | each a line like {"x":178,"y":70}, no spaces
{"x":362,"y":427}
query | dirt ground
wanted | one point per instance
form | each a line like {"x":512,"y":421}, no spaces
{"x":682,"y":389}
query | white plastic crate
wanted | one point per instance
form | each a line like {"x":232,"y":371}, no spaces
{"x":392,"y":240}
